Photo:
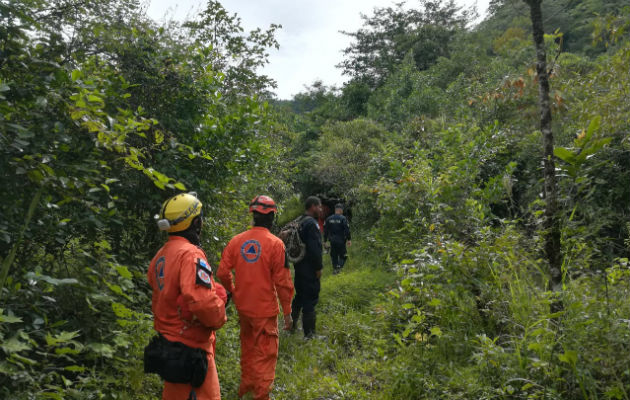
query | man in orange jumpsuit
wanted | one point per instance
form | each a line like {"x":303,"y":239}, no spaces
{"x":261,"y":278}
{"x":186,"y":303}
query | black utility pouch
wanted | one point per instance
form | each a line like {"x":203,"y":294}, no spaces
{"x":175,"y":362}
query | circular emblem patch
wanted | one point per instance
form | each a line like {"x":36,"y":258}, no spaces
{"x":203,"y":275}
{"x":250,"y":250}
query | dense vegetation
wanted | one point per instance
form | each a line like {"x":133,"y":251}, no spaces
{"x":434,"y":142}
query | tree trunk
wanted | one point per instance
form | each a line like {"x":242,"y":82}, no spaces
{"x":551,"y":221}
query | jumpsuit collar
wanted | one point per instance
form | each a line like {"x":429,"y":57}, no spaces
{"x":177,"y":238}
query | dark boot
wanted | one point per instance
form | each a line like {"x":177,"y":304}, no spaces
{"x":342,"y":260}
{"x":308,"y":324}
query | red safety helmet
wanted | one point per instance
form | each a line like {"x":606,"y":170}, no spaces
{"x":263,"y":204}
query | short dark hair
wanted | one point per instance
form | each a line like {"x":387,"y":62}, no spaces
{"x":264,"y":220}
{"x":339,"y":206}
{"x":311,"y":201}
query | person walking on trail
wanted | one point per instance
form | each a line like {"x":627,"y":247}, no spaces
{"x":308,"y":271}
{"x":188,"y":306}
{"x":337,"y":230}
{"x":261,"y":278}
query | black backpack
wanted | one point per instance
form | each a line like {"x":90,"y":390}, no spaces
{"x":290,"y":235}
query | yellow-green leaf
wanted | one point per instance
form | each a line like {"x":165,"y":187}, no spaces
{"x":436,"y":331}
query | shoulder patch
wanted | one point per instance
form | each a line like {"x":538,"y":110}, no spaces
{"x":203,"y":273}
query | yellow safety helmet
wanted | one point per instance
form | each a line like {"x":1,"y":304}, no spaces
{"x":178,"y":212}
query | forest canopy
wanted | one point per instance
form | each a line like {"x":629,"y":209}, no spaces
{"x":434,"y":143}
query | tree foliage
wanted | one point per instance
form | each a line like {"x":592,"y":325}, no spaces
{"x":574,"y":18}
{"x":452,"y":196}
{"x":392,"y":32}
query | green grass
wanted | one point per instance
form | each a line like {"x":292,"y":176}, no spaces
{"x":346,"y":361}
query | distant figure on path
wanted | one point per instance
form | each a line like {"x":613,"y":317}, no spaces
{"x":187,"y":306}
{"x":308,"y":271}
{"x":337,"y":230}
{"x":261,"y":278}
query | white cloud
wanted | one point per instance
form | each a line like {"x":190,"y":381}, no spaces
{"x":310,"y":42}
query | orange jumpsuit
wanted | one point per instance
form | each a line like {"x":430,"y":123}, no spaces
{"x":180,"y":273}
{"x":261,"y":278}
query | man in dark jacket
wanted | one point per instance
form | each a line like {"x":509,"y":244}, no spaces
{"x":337,"y":230}
{"x":308,"y":271}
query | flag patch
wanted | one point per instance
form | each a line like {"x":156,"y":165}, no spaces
{"x":204,"y":272}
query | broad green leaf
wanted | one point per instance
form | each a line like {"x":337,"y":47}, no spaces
{"x":76,"y":74}
{"x":49,"y":171}
{"x":159,"y":137}
{"x":115,"y":288}
{"x":67,"y":382}
{"x":9,"y":319}
{"x":75,"y":368}
{"x":121,"y":311}
{"x":564,"y":154}
{"x":75,"y":115}
{"x":435,"y":302}
{"x":14,"y":345}
{"x":615,"y":393}
{"x":419,"y":317}
{"x":51,"y":395}
{"x":62,"y":337}
{"x":102,"y":349}
{"x":121,"y":341}
{"x":66,"y":350}
{"x":436,"y":331}
{"x":22,"y":359}
{"x":557,"y":314}
{"x":51,"y":280}
{"x":35,"y":175}
{"x":570,"y":357}
{"x":593,"y":126}
{"x":597,"y":145}
{"x":124,"y":272}
{"x":537,"y":332}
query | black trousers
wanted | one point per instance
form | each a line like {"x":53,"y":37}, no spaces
{"x":338,"y":254}
{"x":306,"y":295}
{"x":305,"y":300}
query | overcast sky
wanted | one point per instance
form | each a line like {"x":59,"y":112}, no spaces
{"x":310,"y":42}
